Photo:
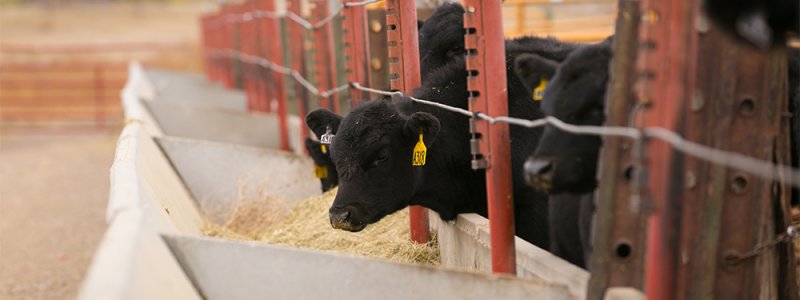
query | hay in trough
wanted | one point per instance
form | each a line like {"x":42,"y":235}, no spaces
{"x":307,"y":226}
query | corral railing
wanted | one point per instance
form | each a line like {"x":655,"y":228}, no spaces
{"x":74,"y":87}
{"x":633,"y":189}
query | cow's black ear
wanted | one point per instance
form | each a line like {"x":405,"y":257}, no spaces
{"x":425,"y":123}
{"x":532,"y":69}
{"x":320,"y":119}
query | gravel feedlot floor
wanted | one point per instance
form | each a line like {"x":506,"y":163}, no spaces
{"x":53,"y":195}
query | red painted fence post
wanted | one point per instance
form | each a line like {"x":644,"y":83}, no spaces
{"x":488,"y":94}
{"x":324,"y":56}
{"x":356,"y":49}
{"x":401,"y":20}
{"x":270,"y":40}
{"x":296,"y":40}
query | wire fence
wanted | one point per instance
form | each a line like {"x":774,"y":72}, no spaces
{"x":758,"y":167}
{"x":761,"y":168}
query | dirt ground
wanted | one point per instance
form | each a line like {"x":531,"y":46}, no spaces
{"x":53,"y":195}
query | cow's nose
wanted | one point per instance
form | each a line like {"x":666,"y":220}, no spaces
{"x":338,"y":215}
{"x":538,"y":173}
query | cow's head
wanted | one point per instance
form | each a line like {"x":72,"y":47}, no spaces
{"x":372,"y":151}
{"x":323,"y":165}
{"x":566,"y":162}
{"x":441,"y":37}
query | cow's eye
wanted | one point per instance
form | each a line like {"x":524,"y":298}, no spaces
{"x":380,"y":159}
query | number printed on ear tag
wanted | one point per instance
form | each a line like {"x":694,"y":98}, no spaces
{"x":320,"y":172}
{"x":538,"y":92}
{"x":326,"y":138}
{"x":420,"y":151}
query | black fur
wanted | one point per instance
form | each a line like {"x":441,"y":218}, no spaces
{"x":763,"y":23}
{"x":373,"y":147}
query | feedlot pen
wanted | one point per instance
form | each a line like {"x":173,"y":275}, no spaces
{"x":190,"y":154}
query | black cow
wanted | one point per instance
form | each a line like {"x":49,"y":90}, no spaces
{"x":373,"y":147}
{"x":564,"y":165}
{"x":763,"y":23}
{"x":323,"y":165}
{"x":568,"y":162}
{"x":441,"y":40}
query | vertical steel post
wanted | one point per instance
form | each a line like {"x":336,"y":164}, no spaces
{"x":619,"y":230}
{"x":227,"y":40}
{"x":271,"y":43}
{"x":401,"y":19}
{"x":667,"y":71}
{"x":356,"y":49}
{"x":486,"y":66}
{"x":324,"y":59}
{"x":296,"y":40}
{"x":248,"y":46}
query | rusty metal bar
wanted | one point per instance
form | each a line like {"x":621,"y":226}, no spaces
{"x":296,"y":46}
{"x":402,"y":36}
{"x":619,"y":231}
{"x":266,"y":82}
{"x":324,"y":59}
{"x":227,"y":42}
{"x":378,"y":48}
{"x":271,"y":43}
{"x":667,"y":71}
{"x":728,"y":213}
{"x":486,"y":67}
{"x":356,"y":49}
{"x":249,"y":46}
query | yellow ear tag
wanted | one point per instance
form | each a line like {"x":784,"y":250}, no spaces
{"x":323,"y":148}
{"x":418,"y":159}
{"x":538,"y":92}
{"x":320,"y":172}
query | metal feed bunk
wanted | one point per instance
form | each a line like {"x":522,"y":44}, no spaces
{"x":675,"y":218}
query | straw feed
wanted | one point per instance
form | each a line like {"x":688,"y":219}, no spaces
{"x":307,"y":226}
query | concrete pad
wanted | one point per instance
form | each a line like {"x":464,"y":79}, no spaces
{"x":223,"y":125}
{"x":247,"y":270}
{"x":465,"y":244}
{"x":193,"y":88}
{"x":220,"y":174}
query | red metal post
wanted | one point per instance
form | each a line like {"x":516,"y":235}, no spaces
{"x":488,"y":94}
{"x":401,"y":19}
{"x":667,"y":71}
{"x":356,"y":49}
{"x":265,"y":36}
{"x":228,"y":12}
{"x":204,"y":36}
{"x":296,"y":40}
{"x":248,"y":46}
{"x":324,"y":59}
{"x":271,"y":41}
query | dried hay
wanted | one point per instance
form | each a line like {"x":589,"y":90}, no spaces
{"x":307,"y":226}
